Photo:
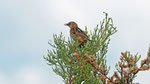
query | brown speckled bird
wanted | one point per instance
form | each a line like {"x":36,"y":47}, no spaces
{"x":76,"y":33}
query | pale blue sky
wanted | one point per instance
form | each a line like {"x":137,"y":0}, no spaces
{"x":27,"y":25}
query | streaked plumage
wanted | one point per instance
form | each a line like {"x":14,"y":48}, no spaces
{"x":76,"y":33}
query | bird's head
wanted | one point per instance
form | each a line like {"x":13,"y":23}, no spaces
{"x":72,"y":24}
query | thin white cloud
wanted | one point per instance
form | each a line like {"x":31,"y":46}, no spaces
{"x":30,"y":75}
{"x":3,"y":79}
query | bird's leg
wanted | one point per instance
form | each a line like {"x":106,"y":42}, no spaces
{"x":81,"y":44}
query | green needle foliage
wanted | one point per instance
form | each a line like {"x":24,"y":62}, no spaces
{"x":87,"y":64}
{"x":71,"y":68}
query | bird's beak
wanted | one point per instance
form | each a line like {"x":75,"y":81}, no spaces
{"x":66,"y":24}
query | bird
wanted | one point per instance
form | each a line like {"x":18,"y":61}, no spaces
{"x":76,"y":33}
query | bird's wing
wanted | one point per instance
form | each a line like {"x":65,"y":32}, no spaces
{"x":81,"y":34}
